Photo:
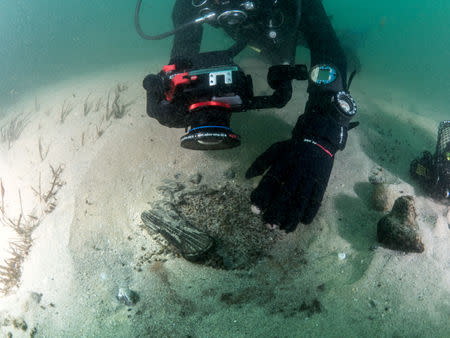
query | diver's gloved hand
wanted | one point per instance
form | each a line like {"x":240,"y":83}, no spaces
{"x":157,"y":85}
{"x":154,"y":85}
{"x":299,"y":169}
{"x":169,"y":114}
{"x":293,"y":188}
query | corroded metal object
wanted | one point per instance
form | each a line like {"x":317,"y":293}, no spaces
{"x":163,"y":218}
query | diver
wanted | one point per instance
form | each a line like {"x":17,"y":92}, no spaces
{"x":201,"y":90}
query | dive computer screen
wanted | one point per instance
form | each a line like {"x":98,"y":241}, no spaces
{"x":324,"y":75}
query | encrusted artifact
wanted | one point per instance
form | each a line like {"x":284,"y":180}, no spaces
{"x":398,"y":229}
{"x":163,"y":218}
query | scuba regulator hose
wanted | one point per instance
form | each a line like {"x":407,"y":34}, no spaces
{"x":137,"y":25}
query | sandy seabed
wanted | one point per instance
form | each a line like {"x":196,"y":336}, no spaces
{"x":328,"y":279}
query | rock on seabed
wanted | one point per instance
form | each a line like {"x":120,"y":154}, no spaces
{"x":398,"y":230}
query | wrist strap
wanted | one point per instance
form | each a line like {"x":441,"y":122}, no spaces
{"x":315,"y":126}
{"x":307,"y":140}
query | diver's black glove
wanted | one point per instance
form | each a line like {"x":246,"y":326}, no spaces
{"x":155,"y":85}
{"x":170,"y":114}
{"x":299,"y":169}
{"x":293,"y":188}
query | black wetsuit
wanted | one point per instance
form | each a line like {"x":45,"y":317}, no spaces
{"x":293,"y":17}
{"x":293,"y":20}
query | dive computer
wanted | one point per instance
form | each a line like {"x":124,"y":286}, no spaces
{"x":323,"y":74}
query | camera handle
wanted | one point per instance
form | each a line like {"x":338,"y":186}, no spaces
{"x":280,"y":79}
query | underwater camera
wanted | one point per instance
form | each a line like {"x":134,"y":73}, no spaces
{"x":433,"y":171}
{"x":203,"y":96}
{"x":202,"y":91}
{"x":208,"y":97}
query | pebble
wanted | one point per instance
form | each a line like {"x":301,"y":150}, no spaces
{"x":127,"y":296}
{"x":196,"y":178}
{"x":377,"y":176}
{"x":255,"y":209}
{"x":342,"y":256}
{"x":229,"y":173}
{"x":36,"y":297}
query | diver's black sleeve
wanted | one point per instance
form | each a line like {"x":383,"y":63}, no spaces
{"x":321,"y":121}
{"x":186,"y":43}
{"x":321,"y":38}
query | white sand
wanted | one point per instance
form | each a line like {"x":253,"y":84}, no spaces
{"x":90,"y":245}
